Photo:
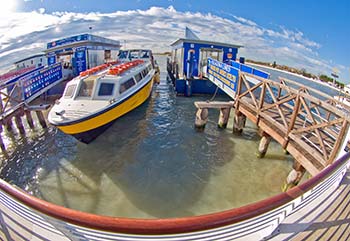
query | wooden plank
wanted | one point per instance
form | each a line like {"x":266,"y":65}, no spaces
{"x":279,"y":102}
{"x":325,"y":153}
{"x":213,"y":104}
{"x":317,"y":126}
{"x":278,"y":108}
{"x":250,"y":90}
{"x":271,"y":131}
{"x":300,"y":157}
{"x":247,"y":113}
{"x":338,"y":142}
{"x":318,"y":159}
{"x":37,"y":107}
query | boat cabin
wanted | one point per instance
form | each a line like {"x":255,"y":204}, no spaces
{"x":107,"y":84}
{"x":189,"y":56}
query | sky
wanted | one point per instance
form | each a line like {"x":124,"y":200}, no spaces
{"x":313,"y":35}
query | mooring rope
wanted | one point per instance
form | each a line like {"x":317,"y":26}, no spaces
{"x":213,"y":97}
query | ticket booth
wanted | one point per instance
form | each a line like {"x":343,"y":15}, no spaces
{"x":189,"y":62}
{"x":81,"y":52}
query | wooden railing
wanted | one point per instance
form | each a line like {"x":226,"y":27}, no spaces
{"x":310,"y":128}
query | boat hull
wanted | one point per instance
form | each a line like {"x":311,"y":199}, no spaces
{"x":89,"y":128}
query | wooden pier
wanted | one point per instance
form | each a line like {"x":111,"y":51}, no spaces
{"x":304,"y":121}
{"x":14,"y":109}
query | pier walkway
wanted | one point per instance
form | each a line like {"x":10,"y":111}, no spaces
{"x":16,"y":95}
{"x":306,"y":122}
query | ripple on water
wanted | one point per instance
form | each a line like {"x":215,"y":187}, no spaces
{"x":150,"y":163}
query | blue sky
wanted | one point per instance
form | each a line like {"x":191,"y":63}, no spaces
{"x":309,"y":34}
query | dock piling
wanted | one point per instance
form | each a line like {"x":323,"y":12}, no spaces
{"x":8,"y":124}
{"x":294,"y":176}
{"x":239,"y":122}
{"x":19,"y":124}
{"x":201,"y":119}
{"x":223,"y":117}
{"x":41,"y":118}
{"x":29,"y":119}
{"x":264,"y":144}
{"x":2,"y":145}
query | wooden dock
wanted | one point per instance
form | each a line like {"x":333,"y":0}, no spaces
{"x":16,"y":100}
{"x":304,"y":121}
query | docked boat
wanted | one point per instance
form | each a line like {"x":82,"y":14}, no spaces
{"x":92,"y":101}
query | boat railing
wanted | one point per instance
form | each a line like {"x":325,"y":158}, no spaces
{"x":23,"y":216}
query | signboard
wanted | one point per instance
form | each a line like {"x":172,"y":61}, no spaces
{"x":51,"y":60}
{"x":80,"y":60}
{"x":223,"y":75}
{"x":36,"y":81}
{"x":78,"y":38}
{"x":82,"y":38}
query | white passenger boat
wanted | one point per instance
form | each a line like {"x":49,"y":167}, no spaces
{"x":92,"y":101}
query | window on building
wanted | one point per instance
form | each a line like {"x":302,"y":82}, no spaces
{"x":70,"y":91}
{"x":145,"y":54}
{"x":134,"y":54}
{"x":126,"y":85}
{"x":106,"y":89}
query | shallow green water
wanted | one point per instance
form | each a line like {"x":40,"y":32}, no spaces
{"x":151,"y":163}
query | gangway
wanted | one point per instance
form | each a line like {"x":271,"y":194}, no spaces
{"x":16,"y":95}
{"x":305,"y":121}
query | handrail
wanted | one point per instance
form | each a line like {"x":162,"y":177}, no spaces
{"x":173,"y":225}
{"x":309,"y":97}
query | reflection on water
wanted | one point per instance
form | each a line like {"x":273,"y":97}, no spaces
{"x":150,"y":163}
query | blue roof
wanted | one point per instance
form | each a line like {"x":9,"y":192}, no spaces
{"x":198,"y":41}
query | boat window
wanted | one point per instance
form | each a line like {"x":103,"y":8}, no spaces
{"x":145,"y":72}
{"x":138,"y":77}
{"x":70,"y":91}
{"x":126,"y":85}
{"x":86,"y":88}
{"x":149,"y":67}
{"x":106,"y":89}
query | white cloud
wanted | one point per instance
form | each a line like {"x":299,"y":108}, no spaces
{"x":22,"y":34}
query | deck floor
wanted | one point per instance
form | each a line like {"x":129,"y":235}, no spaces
{"x":328,"y":220}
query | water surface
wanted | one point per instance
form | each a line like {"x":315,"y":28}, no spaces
{"x":150,"y":164}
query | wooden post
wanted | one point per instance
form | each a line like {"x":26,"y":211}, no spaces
{"x":8,"y":124}
{"x":264,"y":144}
{"x":2,"y":145}
{"x":294,"y":176}
{"x":29,"y":119}
{"x":19,"y":124}
{"x":201,"y":119}
{"x":239,"y":122}
{"x":223,"y":117}
{"x":41,"y":118}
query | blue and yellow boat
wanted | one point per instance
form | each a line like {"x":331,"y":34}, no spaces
{"x":92,"y":101}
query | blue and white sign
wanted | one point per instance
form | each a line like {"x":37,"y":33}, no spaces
{"x":223,"y":75}
{"x":36,"y":81}
{"x":51,"y":60}
{"x":80,"y":60}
